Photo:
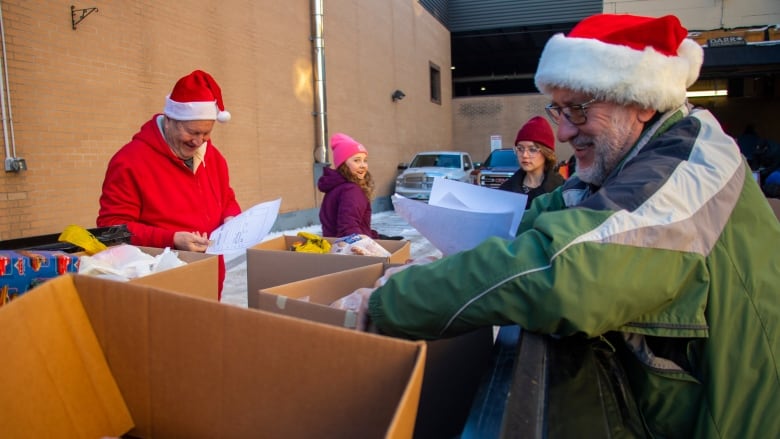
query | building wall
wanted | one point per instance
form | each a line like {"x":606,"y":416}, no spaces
{"x":704,"y":14}
{"x":374,"y":48}
{"x":476,"y":119}
{"x":78,"y":95}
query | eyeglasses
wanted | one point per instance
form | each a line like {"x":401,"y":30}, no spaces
{"x":575,"y":114}
{"x":531,"y":150}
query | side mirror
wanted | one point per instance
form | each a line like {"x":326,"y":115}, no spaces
{"x":477,"y":165}
{"x":402,"y":166}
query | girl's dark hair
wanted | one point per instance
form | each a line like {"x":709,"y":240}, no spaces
{"x":366,"y":184}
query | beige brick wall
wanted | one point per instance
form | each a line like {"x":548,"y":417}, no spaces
{"x":78,"y":95}
{"x":372,"y":52}
{"x":476,"y":119}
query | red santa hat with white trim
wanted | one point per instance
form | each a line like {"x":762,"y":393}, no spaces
{"x":196,"y":96}
{"x":624,"y":59}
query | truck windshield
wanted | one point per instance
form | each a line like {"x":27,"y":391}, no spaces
{"x":436,"y":160}
{"x":502,"y":158}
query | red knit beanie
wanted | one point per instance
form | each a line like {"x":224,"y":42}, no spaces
{"x":537,"y":129}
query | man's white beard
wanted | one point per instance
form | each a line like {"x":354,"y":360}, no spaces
{"x":610,"y":146}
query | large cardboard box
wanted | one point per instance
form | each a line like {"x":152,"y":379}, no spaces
{"x":21,"y":270}
{"x":199,"y":277}
{"x":272,"y":263}
{"x":85,"y":357}
{"x":453,"y":367}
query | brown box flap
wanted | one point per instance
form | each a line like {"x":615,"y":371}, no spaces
{"x":453,"y":366}
{"x":193,"y":368}
{"x":199,"y":278}
{"x":271,"y":263}
{"x":55,"y":380}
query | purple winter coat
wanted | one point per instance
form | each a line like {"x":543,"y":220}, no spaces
{"x":345,"y":208}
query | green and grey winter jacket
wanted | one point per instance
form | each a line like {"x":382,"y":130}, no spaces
{"x":676,"y":252}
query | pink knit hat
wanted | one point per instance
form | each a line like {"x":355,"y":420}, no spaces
{"x":537,"y":129}
{"x":344,"y":147}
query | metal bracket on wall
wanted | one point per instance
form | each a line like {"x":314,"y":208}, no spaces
{"x":84,"y":12}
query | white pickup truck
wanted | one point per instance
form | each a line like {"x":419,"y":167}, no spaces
{"x":416,"y":178}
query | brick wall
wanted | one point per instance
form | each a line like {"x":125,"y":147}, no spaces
{"x":78,"y":95}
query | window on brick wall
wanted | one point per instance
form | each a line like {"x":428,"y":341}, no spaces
{"x":435,"y":77}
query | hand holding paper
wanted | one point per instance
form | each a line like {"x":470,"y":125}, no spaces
{"x":246,"y":229}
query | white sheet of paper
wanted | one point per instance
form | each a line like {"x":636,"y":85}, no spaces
{"x":459,"y":216}
{"x":245,"y":230}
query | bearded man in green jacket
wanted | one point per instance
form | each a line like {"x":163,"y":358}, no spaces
{"x":662,"y":241}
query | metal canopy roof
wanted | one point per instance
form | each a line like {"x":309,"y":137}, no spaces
{"x":503,"y":61}
{"x":496,"y":44}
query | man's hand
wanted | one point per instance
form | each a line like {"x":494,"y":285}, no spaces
{"x":356,"y":302}
{"x":191,"y":241}
{"x":393,"y":270}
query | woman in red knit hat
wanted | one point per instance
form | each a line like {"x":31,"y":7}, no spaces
{"x":535,"y":150}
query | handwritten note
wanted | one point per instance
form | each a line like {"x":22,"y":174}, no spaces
{"x":245,"y":230}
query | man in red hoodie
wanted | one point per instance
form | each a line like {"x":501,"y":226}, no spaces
{"x":170,"y":184}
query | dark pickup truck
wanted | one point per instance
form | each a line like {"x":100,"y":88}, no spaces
{"x":497,"y":168}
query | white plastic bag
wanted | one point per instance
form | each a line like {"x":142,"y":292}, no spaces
{"x":356,"y":244}
{"x":124,"y":262}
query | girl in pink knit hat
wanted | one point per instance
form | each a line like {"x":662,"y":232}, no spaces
{"x":348,"y":188}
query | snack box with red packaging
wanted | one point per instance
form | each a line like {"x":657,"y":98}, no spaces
{"x":21,"y":270}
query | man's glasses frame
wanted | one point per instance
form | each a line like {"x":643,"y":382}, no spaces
{"x":575,"y":114}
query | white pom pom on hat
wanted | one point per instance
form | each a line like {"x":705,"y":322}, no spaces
{"x":196,"y":96}
{"x":624,"y":59}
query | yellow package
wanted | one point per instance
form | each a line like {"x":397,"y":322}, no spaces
{"x":313,"y":244}
{"x":81,"y":237}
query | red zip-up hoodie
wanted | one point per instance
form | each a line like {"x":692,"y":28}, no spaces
{"x":156,"y":195}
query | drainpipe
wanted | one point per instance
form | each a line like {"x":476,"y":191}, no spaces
{"x":320,"y":107}
{"x":11,"y":161}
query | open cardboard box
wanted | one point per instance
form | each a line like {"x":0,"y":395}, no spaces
{"x":272,"y":263}
{"x":85,"y":357}
{"x":199,"y":278}
{"x":454,"y":366}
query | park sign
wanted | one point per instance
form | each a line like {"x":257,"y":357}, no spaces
{"x":726,"y":41}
